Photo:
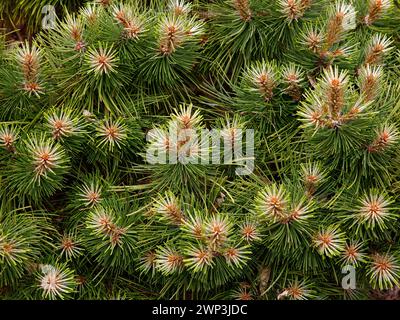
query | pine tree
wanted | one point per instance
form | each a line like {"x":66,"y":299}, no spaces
{"x":98,"y":200}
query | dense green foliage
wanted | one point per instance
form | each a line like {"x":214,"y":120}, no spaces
{"x":83,"y":215}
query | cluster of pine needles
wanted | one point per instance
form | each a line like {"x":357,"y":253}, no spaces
{"x":84,"y":214}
